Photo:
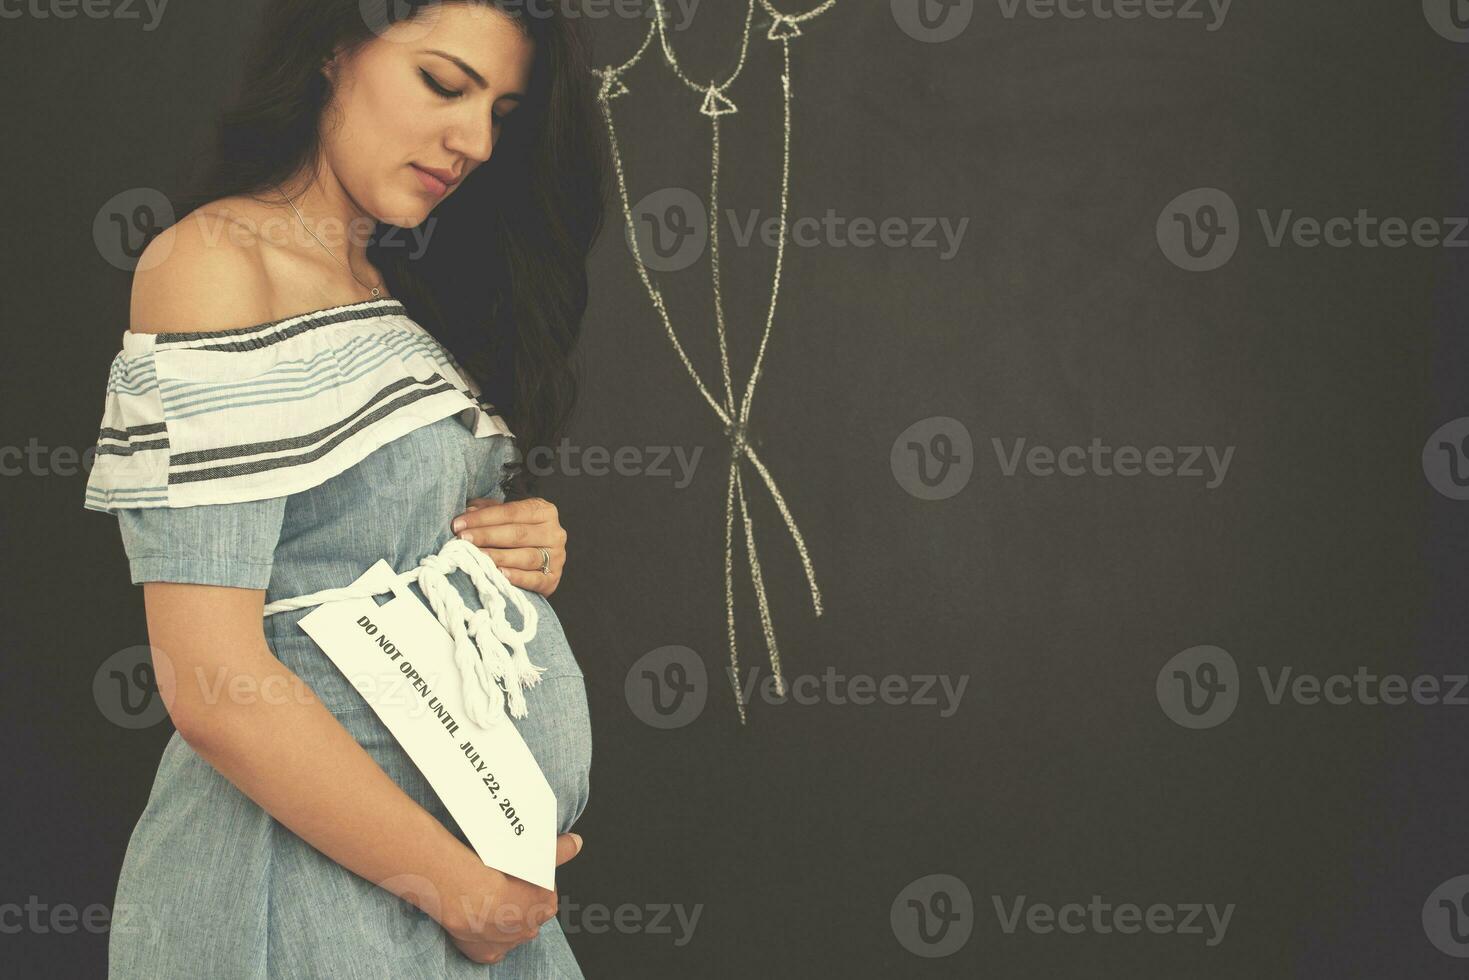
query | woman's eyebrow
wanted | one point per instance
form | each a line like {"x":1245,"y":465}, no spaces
{"x":475,"y":76}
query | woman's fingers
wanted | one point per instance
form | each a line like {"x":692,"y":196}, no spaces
{"x":512,"y":534}
{"x":526,"y":558}
{"x":568,"y":846}
{"x":534,"y":581}
{"x":499,"y":535}
{"x":482,"y":952}
{"x":487,"y":512}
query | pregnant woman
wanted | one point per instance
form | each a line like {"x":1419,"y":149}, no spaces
{"x":335,"y":358}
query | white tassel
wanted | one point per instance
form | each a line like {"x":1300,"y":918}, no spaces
{"x":489,"y":653}
{"x":521,"y":673}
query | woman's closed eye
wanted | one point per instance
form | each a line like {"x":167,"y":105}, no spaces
{"x":452,"y":93}
{"x":433,"y":83}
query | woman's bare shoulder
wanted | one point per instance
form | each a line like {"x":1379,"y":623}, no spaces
{"x":205,"y":272}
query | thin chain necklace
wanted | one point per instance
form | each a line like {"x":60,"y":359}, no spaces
{"x":376,"y":292}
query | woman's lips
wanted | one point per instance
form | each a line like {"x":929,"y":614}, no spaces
{"x":432,"y":184}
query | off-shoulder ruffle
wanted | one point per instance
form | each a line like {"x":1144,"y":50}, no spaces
{"x":226,"y":416}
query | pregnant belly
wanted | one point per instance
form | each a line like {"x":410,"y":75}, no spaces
{"x":557,"y":727}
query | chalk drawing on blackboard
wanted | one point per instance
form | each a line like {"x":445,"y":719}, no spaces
{"x":715,"y":103}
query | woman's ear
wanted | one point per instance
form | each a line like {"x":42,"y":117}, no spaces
{"x":329,"y":66}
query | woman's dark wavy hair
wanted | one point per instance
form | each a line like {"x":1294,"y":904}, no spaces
{"x":502,"y":281}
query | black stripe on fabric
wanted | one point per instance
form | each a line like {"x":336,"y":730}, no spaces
{"x":128,"y":450}
{"x":307,"y":322}
{"x":306,"y":439}
{"x":128,"y":433}
{"x":280,"y":462}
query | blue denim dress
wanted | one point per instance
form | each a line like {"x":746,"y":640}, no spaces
{"x":216,"y":887}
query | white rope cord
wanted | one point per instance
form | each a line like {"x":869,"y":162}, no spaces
{"x":489,"y":653}
{"x":733,"y":415}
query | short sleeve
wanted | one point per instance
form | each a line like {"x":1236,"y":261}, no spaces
{"x":209,"y":544}
{"x":206,"y":434}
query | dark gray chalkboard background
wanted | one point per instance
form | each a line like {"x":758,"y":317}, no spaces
{"x":1060,"y":599}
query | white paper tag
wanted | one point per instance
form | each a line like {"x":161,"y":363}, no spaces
{"x":401,"y":660}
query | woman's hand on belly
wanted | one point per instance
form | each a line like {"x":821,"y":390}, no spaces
{"x":513,"y":533}
{"x":491,"y":913}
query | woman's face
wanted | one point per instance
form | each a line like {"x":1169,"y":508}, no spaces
{"x":425,"y":96}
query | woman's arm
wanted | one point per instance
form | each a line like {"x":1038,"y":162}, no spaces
{"x":252,"y":718}
{"x":261,"y":727}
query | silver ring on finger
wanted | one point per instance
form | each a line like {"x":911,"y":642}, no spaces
{"x":545,"y":562}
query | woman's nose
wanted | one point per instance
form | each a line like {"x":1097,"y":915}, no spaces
{"x":476,"y":141}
